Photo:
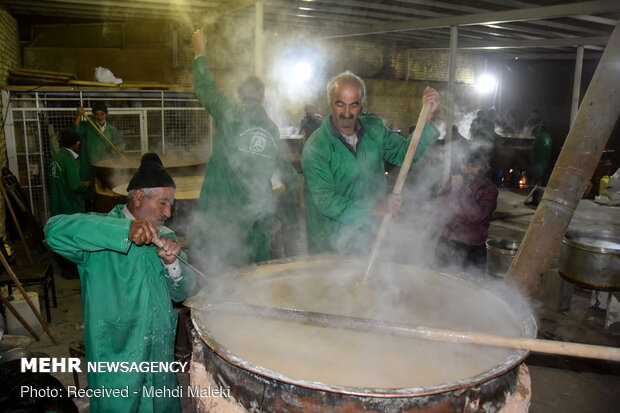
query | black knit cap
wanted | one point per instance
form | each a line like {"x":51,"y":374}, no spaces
{"x":151,"y":174}
{"x":98,"y":105}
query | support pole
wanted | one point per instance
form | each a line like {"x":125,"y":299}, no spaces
{"x":450,"y":103}
{"x":578,"y":159}
{"x":259,"y":40}
{"x":576,"y":84}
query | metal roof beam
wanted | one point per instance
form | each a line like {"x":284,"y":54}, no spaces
{"x":228,"y":7}
{"x":518,"y":44}
{"x":506,"y":16}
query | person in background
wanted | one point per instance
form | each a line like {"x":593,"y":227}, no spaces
{"x":233,"y":216}
{"x":66,"y":188}
{"x":510,"y":124}
{"x":476,"y":131}
{"x":471,"y":199}
{"x":491,"y":146}
{"x":128,"y":283}
{"x":343,"y":165}
{"x":540,"y":156}
{"x":310,"y":122}
{"x":532,"y":122}
{"x":94,"y":147}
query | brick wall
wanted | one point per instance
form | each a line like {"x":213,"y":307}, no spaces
{"x":133,"y":51}
{"x":231,"y":58}
{"x":9,"y":60}
{"x":9,"y":46}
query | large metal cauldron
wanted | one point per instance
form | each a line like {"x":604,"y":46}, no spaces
{"x":116,"y":172}
{"x":591,"y":259}
{"x":273,"y":367}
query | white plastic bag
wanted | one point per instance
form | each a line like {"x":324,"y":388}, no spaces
{"x":105,"y":75}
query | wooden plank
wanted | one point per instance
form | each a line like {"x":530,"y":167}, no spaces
{"x":35,"y":81}
{"x":46,"y":73}
{"x":89,"y":83}
{"x":148,"y":85}
{"x":32,"y":76}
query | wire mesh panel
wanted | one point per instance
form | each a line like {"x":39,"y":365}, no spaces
{"x":162,"y":122}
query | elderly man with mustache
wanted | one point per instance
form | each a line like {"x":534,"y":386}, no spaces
{"x":130,"y":274}
{"x":343,"y":165}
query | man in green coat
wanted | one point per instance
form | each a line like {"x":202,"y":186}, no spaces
{"x":540,"y":156}
{"x":127,"y":287}
{"x":66,"y":187}
{"x":94,"y":147}
{"x":232,"y":218}
{"x":343,"y":164}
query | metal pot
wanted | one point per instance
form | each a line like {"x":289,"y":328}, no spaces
{"x":591,"y":259}
{"x":115,"y":171}
{"x":297,"y":383}
{"x":500,"y":253}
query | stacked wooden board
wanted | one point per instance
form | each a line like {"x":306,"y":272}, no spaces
{"x":28,"y":78}
{"x":39,"y":77}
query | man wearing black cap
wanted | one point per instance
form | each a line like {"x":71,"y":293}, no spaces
{"x":127,"y":287}
{"x":93,"y":146}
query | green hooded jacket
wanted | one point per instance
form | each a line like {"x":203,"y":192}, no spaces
{"x":94,"y":148}
{"x":540,"y":155}
{"x":343,"y":188}
{"x":126,"y":297}
{"x":66,"y":187}
{"x":232,"y":218}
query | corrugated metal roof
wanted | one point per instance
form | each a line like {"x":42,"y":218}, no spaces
{"x":544,"y":28}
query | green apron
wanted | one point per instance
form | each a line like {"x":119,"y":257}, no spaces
{"x":128,"y":315}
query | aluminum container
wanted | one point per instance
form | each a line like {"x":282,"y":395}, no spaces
{"x":591,"y":259}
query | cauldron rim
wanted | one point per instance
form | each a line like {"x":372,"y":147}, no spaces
{"x":528,"y":326}
{"x":573,"y":238}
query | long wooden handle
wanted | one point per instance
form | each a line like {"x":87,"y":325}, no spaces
{"x":160,"y":244}
{"x":400,"y":183}
{"x":114,"y":147}
{"x":415,"y":331}
{"x":19,"y":317}
{"x":19,"y":286}
{"x":7,"y":200}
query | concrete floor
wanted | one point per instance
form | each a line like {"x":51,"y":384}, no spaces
{"x":566,"y":384}
{"x":559,"y":384}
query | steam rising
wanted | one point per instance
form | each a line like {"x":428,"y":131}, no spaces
{"x":397,"y":293}
{"x":405,"y":292}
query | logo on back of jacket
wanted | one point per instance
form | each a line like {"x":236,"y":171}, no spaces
{"x":56,"y":170}
{"x":256,"y":141}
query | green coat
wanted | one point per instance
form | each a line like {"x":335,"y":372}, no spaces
{"x":94,"y":148}
{"x":66,"y":187}
{"x":232,"y":218}
{"x":540,"y":156}
{"x":342,"y":188}
{"x":126,"y":299}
